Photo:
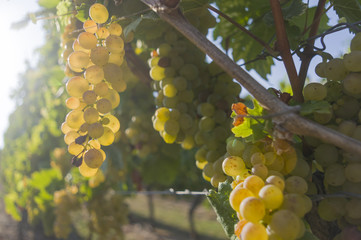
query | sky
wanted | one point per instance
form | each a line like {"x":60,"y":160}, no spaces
{"x":17,"y":46}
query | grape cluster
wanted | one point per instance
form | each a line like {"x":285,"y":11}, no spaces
{"x":94,"y":65}
{"x":341,"y":170}
{"x":268,"y":189}
{"x":65,"y":201}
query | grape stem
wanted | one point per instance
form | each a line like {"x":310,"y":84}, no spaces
{"x":291,"y":121}
{"x":283,"y":46}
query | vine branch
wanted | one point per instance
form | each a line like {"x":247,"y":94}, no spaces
{"x":308,"y":53}
{"x":291,"y":121}
{"x":283,"y":46}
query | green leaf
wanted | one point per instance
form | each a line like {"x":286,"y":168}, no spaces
{"x":82,"y":12}
{"x":188,"y":5}
{"x":48,"y":3}
{"x":315,"y":107}
{"x":10,"y":207}
{"x":132,"y":26}
{"x":243,"y":130}
{"x":300,"y":21}
{"x":294,"y":9}
{"x":226,"y":216}
{"x":349,"y":9}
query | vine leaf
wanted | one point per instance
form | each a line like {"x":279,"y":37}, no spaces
{"x":82,"y":12}
{"x":48,"y":3}
{"x":226,"y":216}
{"x":295,"y":9}
{"x":188,"y":5}
{"x":349,"y":9}
{"x":132,"y":26}
{"x":315,"y":107}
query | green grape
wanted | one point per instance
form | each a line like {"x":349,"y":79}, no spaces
{"x":353,"y":208}
{"x":331,"y":209}
{"x":335,"y":69}
{"x":101,"y":89}
{"x":99,"y":56}
{"x":296,"y":184}
{"x":78,"y":61}
{"x":272,"y":196}
{"x":258,"y":158}
{"x":233,"y":166}
{"x":217,"y":178}
{"x":206,"y":109}
{"x":115,"y":29}
{"x":260,"y":170}
{"x":357,"y":133}
{"x":206,"y":124}
{"x":72,"y":103}
{"x":169,"y":90}
{"x":95,"y":130}
{"x":352,"y":172}
{"x":352,"y":61}
{"x":347,"y":127}
{"x":220,"y":116}
{"x":87,"y":40}
{"x":171,"y":127}
{"x":180,"y":83}
{"x":352,"y":84}
{"x":90,"y":26}
{"x":104,"y":105}
{"x":348,"y":109}
{"x":277,"y":181}
{"x":114,"y":44}
{"x":356,"y":42}
{"x":296,"y":203}
{"x":94,"y":74}
{"x":252,"y":209}
{"x":334,"y":91}
{"x":98,"y":13}
{"x":91,"y":115}
{"x":285,"y":224}
{"x":164,"y":49}
{"x":254,"y":231}
{"x":93,"y":158}
{"x":107,"y":138}
{"x":189,"y":71}
{"x":74,"y":119}
{"x":236,"y":147}
{"x":320,"y":69}
{"x":185,"y":121}
{"x":277,"y":164}
{"x":315,"y":92}
{"x":326,"y":155}
{"x":302,"y":169}
{"x":89,"y":97}
{"x":323,"y":118}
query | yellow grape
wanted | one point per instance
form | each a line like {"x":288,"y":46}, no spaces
{"x":272,"y":196}
{"x":112,"y":72}
{"x":101,"y":89}
{"x":102,"y":33}
{"x":94,"y":74}
{"x":77,"y":47}
{"x":162,"y":113}
{"x":158,"y":125}
{"x":113,"y":123}
{"x":75,"y":119}
{"x":75,"y":149}
{"x":98,"y":13}
{"x":254,"y":231}
{"x":157,"y":73}
{"x":99,"y":56}
{"x":86,"y":171}
{"x":91,"y":115}
{"x":116,"y":58}
{"x":89,"y":97}
{"x":76,"y":86}
{"x":168,"y":138}
{"x":65,"y":128}
{"x":96,"y":130}
{"x":119,"y":85}
{"x":87,"y":40}
{"x":233,"y":166}
{"x":104,"y":105}
{"x":72,"y":103}
{"x":113,"y":97}
{"x":90,"y":26}
{"x":238,"y":194}
{"x":93,"y":158}
{"x":254,"y":184}
{"x":114,"y":44}
{"x":78,"y":61}
{"x":115,"y":29}
{"x":277,"y":181}
{"x":94,"y":143}
{"x":252,"y":209}
{"x":260,"y":170}
{"x":107,"y":138}
{"x":70,"y":137}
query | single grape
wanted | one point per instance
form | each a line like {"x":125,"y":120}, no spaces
{"x":286,"y":224}
{"x":254,"y":184}
{"x":233,"y":166}
{"x":272,"y":196}
{"x":314,"y":91}
{"x":98,"y":13}
{"x":93,"y":158}
{"x":252,"y":209}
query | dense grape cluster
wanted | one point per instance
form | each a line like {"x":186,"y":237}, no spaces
{"x":341,"y":170}
{"x":269,"y":189}
{"x":94,"y":65}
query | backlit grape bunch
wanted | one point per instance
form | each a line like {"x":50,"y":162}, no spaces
{"x":94,"y":68}
{"x":342,"y":93}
